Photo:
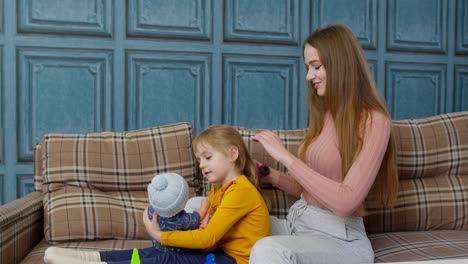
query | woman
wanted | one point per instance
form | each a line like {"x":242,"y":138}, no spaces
{"x":347,"y":153}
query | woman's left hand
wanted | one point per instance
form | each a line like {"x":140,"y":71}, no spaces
{"x":152,"y":227}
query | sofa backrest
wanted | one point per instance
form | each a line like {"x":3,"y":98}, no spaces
{"x":432,"y":161}
{"x":432,"y":157}
{"x":95,"y":185}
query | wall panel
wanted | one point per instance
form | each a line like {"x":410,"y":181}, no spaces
{"x":462,"y":27}
{"x":2,"y":18}
{"x":261,"y":92}
{"x":360,"y":16}
{"x":426,"y":31}
{"x":170,"y":19}
{"x":2,"y":110}
{"x":167,"y":87}
{"x":408,"y":84}
{"x":2,"y":193}
{"x":25,"y":185}
{"x":262,"y":21}
{"x":70,"y":17}
{"x":61,"y":91}
{"x":461,"y":87}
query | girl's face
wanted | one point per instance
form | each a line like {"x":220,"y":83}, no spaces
{"x":217,"y":166}
{"x":316,"y":73}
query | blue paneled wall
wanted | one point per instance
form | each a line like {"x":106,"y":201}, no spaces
{"x":95,"y":65}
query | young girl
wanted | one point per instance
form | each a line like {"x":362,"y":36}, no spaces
{"x":239,"y":215}
{"x":348,"y":151}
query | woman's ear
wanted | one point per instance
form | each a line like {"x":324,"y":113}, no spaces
{"x":233,"y":153}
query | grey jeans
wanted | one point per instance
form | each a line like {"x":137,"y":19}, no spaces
{"x":311,"y":234}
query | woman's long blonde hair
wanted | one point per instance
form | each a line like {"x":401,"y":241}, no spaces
{"x":222,"y":137}
{"x":351,"y":94}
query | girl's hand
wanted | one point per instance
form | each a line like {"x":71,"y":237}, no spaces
{"x":273,"y":145}
{"x":205,"y":220}
{"x":152,"y":227}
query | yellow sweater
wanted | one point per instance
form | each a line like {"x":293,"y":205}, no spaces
{"x":239,"y":218}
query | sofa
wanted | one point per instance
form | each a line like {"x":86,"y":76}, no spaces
{"x":90,"y":190}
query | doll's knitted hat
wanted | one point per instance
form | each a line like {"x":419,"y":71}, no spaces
{"x":168,"y":194}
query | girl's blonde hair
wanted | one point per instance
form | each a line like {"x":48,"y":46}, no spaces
{"x":350,"y":95}
{"x":222,"y":138}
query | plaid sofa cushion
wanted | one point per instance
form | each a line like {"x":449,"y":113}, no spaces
{"x":94,"y":185}
{"x":432,"y":146}
{"x":420,"y":246}
{"x":432,"y":157}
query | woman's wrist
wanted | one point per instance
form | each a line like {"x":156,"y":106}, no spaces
{"x":289,"y":158}
{"x":268,"y":174}
{"x":274,"y":177}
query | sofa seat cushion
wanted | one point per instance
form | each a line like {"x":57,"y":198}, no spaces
{"x":419,"y":246}
{"x":95,"y":185}
{"x":434,"y":203}
{"x":75,"y":214}
{"x":432,"y":159}
{"x":36,"y":256}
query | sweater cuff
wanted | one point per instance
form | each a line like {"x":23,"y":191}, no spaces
{"x":164,"y":238}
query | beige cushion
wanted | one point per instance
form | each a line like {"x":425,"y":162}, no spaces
{"x":94,"y":185}
{"x":433,"y":169}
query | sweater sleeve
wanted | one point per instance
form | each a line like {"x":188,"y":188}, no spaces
{"x":345,"y":197}
{"x":289,"y":185}
{"x":235,"y":205}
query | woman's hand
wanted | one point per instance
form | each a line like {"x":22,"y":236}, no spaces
{"x":273,"y":178}
{"x":152,"y":227}
{"x":273,"y":145}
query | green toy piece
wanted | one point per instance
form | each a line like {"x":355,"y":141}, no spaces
{"x":135,"y":257}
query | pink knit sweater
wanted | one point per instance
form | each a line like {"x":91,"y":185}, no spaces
{"x":319,"y":178}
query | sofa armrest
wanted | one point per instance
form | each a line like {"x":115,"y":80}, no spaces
{"x":21,"y":227}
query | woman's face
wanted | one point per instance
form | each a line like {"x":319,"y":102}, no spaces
{"x":316,"y":73}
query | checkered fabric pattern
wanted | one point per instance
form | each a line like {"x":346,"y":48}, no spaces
{"x":433,"y":168}
{"x":37,"y":154}
{"x":21,"y":227}
{"x":419,"y":246}
{"x":95,"y":185}
{"x":432,"y":204}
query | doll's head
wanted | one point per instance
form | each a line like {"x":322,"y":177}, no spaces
{"x":168,"y":194}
